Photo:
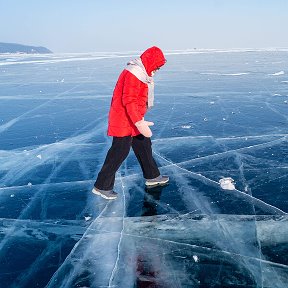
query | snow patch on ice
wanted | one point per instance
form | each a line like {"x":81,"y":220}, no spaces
{"x":277,"y":73}
{"x":226,"y":74}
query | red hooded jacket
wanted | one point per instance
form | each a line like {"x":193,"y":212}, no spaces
{"x":130,"y":96}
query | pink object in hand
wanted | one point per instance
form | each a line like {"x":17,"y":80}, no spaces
{"x":143,"y":127}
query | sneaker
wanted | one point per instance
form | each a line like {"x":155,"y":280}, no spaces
{"x":107,"y":194}
{"x":160,"y":180}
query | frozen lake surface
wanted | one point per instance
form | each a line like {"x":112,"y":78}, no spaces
{"x":217,"y":114}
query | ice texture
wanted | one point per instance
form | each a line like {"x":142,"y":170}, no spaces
{"x":218,"y":114}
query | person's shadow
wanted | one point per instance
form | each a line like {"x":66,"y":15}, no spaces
{"x":152,"y":197}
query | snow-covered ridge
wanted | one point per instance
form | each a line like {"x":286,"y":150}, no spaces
{"x":232,"y":50}
{"x":12,"y":59}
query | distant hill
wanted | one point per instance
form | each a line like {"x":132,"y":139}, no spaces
{"x":19,"y":48}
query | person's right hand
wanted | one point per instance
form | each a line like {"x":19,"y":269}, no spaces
{"x":143,"y":127}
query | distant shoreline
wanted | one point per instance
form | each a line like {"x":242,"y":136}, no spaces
{"x":14,"y":48}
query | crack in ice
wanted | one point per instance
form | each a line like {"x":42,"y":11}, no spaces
{"x":201,"y":177}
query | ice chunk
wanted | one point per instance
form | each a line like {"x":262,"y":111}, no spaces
{"x":227,"y":183}
{"x":195,"y":257}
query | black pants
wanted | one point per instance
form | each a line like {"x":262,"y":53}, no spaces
{"x":117,"y":154}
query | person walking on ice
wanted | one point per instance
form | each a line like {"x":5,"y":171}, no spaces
{"x":132,"y":97}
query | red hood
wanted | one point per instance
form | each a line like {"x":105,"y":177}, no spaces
{"x":152,"y":59}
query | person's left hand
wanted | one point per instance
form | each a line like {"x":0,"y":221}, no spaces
{"x":143,"y":127}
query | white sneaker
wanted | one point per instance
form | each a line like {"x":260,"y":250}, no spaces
{"x":160,"y":180}
{"x":107,"y":194}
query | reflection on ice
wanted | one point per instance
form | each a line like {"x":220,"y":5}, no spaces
{"x":162,"y":251}
{"x":213,"y":120}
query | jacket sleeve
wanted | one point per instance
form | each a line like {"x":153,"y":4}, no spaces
{"x":130,"y":95}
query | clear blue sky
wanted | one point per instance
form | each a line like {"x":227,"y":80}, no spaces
{"x":125,"y":25}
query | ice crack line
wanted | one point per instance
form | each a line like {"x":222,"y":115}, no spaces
{"x":201,"y":178}
{"x":211,"y":250}
{"x":218,"y":139}
{"x":76,"y":245}
{"x":121,"y":236}
{"x":9,"y":124}
{"x":243,"y":149}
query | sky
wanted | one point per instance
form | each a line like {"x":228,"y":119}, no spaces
{"x":67,"y":26}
